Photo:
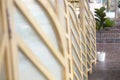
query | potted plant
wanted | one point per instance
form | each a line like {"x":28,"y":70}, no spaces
{"x":118,"y":4}
{"x":102,"y":22}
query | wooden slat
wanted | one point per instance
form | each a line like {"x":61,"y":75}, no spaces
{"x":57,"y":26}
{"x":78,"y":67}
{"x":76,"y":41}
{"x":84,"y":63}
{"x":76,"y":76}
{"x":34,"y":59}
{"x":79,"y":57}
{"x":40,"y":32}
{"x":75,"y":37}
{"x":85,"y":75}
{"x":76,"y":27}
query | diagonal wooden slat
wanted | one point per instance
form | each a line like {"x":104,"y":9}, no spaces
{"x":85,"y":75}
{"x":79,"y":57}
{"x":74,"y":11}
{"x":76,"y":38}
{"x":75,"y":75}
{"x":78,"y":67}
{"x":56,"y":23}
{"x":76,"y":27}
{"x":40,"y":32}
{"x":34,"y":59}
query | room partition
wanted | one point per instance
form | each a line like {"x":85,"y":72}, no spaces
{"x":46,"y":40}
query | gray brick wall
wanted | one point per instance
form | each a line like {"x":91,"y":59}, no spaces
{"x":110,"y":43}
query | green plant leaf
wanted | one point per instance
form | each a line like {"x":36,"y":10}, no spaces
{"x":109,"y":23}
{"x":102,"y":15}
{"x":101,"y":21}
{"x":97,"y":19}
{"x":102,"y":9}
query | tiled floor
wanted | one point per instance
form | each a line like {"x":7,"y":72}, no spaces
{"x":107,"y":70}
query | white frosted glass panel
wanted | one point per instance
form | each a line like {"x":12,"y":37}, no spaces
{"x":42,"y":18}
{"x":73,"y":14}
{"x":61,"y":12}
{"x":75,"y":56}
{"x":60,"y":8}
{"x":77,"y":71}
{"x":37,"y":46}
{"x":27,"y":71}
{"x":75,"y":31}
{"x":3,"y":72}
{"x":75,"y":43}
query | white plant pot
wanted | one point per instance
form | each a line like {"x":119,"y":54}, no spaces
{"x":98,"y":54}
{"x":101,"y":56}
{"x":118,"y":12}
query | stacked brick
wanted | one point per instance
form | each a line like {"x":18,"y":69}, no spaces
{"x":110,"y":43}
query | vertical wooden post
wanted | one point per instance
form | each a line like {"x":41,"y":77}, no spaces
{"x":12,"y":39}
{"x":5,"y":32}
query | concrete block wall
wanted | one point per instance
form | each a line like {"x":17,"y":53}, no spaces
{"x":110,"y":43}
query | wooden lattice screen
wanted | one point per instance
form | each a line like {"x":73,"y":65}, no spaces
{"x":46,"y":40}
